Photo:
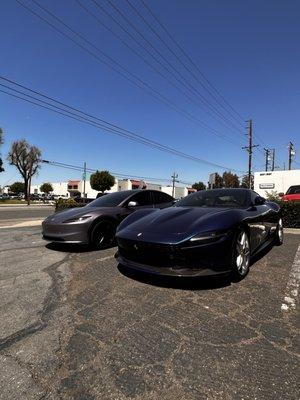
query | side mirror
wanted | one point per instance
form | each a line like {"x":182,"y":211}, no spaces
{"x":259,"y":201}
{"x":281,"y":194}
{"x":132,"y":204}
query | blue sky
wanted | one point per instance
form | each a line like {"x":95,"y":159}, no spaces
{"x":248,"y":50}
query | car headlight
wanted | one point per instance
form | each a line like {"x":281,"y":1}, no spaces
{"x":208,"y":237}
{"x":77,"y":219}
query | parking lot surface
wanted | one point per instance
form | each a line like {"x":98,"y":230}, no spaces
{"x":16,"y":214}
{"x":75,"y":325}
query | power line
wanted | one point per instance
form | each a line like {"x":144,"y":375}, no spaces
{"x":154,"y":31}
{"x":188,"y":57}
{"x":182,"y":78}
{"x":81,"y":116}
{"x":152,"y":66}
{"x":136,"y":80}
{"x":118,"y":174}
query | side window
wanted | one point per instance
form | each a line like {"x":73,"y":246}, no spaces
{"x":142,"y":198}
{"x":253,"y":196}
{"x":160,"y":197}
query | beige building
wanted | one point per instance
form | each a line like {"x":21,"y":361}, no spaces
{"x":75,"y":188}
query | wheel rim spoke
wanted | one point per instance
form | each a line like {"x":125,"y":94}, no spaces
{"x":243,"y":253}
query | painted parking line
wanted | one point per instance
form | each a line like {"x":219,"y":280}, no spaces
{"x":104,"y":258}
{"x":292,"y":286}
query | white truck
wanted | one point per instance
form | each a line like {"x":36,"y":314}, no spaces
{"x":275,"y":181}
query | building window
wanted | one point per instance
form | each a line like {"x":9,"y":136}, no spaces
{"x":75,"y":187}
{"x":70,"y":187}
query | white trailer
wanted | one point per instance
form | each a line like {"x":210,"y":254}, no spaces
{"x":275,"y":181}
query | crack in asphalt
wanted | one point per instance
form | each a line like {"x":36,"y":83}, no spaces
{"x":22,"y":248}
{"x":50,"y":303}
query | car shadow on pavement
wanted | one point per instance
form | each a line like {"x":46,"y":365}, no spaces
{"x":184,"y":283}
{"x":69,"y":248}
{"x":74,"y":248}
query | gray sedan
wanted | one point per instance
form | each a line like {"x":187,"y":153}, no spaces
{"x":96,"y":223}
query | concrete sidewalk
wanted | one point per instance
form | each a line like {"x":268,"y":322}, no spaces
{"x":27,"y":206}
{"x":7,"y":224}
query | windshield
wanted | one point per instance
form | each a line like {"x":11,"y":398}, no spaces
{"x":216,"y":198}
{"x":111,"y":199}
{"x":294,"y":190}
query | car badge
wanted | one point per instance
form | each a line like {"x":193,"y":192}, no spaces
{"x":135,"y":247}
{"x":139,"y":234}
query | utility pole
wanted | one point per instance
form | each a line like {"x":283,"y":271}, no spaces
{"x":267,"y":153}
{"x":273,"y":159}
{"x":291,"y":154}
{"x":84,"y":178}
{"x":174,"y":177}
{"x":249,"y":148}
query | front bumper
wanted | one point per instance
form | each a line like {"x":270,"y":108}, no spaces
{"x":65,"y":233}
{"x":169,"y":260}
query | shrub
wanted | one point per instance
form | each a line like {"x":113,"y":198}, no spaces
{"x":62,"y":204}
{"x":290,"y":213}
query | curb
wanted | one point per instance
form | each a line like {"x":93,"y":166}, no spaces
{"x":293,"y":231}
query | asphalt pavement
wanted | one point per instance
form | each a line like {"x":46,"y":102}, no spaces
{"x":75,"y":325}
{"x":22,"y":213}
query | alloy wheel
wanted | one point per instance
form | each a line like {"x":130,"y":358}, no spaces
{"x":242,"y":253}
{"x":280,"y":231}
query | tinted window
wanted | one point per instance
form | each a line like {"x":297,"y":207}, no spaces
{"x":294,"y":190}
{"x":160,"y":197}
{"x":111,"y":200}
{"x":253,"y":196}
{"x":216,"y":198}
{"x":142,"y":198}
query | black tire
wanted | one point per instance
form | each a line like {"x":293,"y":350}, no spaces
{"x":241,"y":254}
{"x":103,"y":235}
{"x":278,"y":239}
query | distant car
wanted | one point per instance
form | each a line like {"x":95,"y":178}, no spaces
{"x":96,"y":223}
{"x":100,"y":195}
{"x":210,"y":232}
{"x":292,"y":194}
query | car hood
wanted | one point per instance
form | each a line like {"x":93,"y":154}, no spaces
{"x":177,"y":223}
{"x":64,"y":215}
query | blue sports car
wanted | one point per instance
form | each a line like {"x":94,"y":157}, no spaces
{"x":209,"y":232}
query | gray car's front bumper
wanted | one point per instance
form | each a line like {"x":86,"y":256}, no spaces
{"x":65,"y":233}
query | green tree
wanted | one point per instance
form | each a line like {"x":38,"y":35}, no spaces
{"x":46,"y":188}
{"x":199,"y":186}
{"x":219,"y":182}
{"x":230,"y":180}
{"x":245,"y":182}
{"x":101,"y":181}
{"x":1,"y":142}
{"x":26,"y":159}
{"x":17,"y":187}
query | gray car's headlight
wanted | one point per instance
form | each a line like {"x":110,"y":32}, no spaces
{"x":77,"y":219}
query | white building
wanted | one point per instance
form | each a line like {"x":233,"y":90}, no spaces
{"x":75,"y":188}
{"x":275,"y":181}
